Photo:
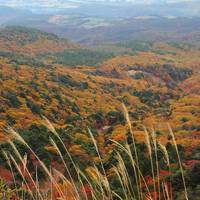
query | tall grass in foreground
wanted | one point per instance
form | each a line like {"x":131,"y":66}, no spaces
{"x":94,"y":182}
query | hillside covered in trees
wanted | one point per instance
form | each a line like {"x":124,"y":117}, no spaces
{"x":79,"y":88}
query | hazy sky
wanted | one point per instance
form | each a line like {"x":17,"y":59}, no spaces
{"x":19,"y":2}
{"x":76,"y":3}
{"x":113,"y":8}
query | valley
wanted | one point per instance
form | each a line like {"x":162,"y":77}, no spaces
{"x":77,"y":87}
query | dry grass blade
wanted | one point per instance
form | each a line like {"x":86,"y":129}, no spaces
{"x":179,"y":161}
{"x":150,"y":155}
{"x":137,"y":176}
{"x":96,"y":176}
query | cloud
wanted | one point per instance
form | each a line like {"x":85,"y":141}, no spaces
{"x":75,"y":3}
{"x":39,"y":3}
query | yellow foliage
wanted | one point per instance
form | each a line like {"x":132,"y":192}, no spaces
{"x":82,"y":137}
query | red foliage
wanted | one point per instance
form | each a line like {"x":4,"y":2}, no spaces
{"x":149,"y":180}
{"x":86,"y":190}
{"x":57,"y":166}
{"x":190,"y":163}
{"x":164,"y":173}
{"x":6,"y":175}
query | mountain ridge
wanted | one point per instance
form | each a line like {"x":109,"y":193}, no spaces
{"x":30,"y":40}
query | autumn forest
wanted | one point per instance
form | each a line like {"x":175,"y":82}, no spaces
{"x":114,"y":121}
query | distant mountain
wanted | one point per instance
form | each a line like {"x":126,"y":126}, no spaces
{"x":150,"y":28}
{"x":96,"y":30}
{"x":96,"y":22}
